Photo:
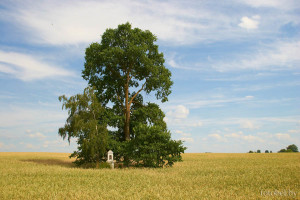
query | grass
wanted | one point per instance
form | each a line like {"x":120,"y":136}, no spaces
{"x":200,"y":176}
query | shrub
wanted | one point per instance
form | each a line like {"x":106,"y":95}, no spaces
{"x":282,"y":151}
{"x":152,"y":147}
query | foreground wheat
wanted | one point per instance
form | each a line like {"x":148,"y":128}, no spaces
{"x":200,"y":176}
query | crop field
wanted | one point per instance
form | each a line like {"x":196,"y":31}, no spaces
{"x":199,"y":176}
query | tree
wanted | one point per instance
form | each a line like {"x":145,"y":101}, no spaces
{"x":289,"y":149}
{"x":250,"y":151}
{"x":282,"y":150}
{"x":258,"y":151}
{"x":124,"y":64}
{"x":86,"y":123}
{"x":293,"y":148}
{"x":266,"y":151}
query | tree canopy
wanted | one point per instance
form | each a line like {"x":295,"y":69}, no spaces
{"x":124,"y":64}
{"x":293,"y":148}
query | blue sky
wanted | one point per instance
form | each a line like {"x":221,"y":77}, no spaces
{"x":235,"y":66}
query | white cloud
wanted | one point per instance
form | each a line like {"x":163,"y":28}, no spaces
{"x":82,"y":22}
{"x":6,"y":147}
{"x":217,"y":102}
{"x":183,"y":122}
{"x":179,"y":112}
{"x":27,"y":67}
{"x":217,"y":137}
{"x":27,"y":117}
{"x":249,"y":97}
{"x":277,"y":56}
{"x":248,"y":124}
{"x":56,"y":143}
{"x":197,"y":124}
{"x":267,"y":57}
{"x":278,"y":4}
{"x":235,"y":135}
{"x":178,"y":117}
{"x":259,"y":87}
{"x":283,"y":136}
{"x":29,"y":146}
{"x":187,"y":139}
{"x":182,"y":133}
{"x":293,"y":131}
{"x":37,"y":135}
{"x":252,"y":138}
{"x":250,"y":23}
{"x":248,"y":138}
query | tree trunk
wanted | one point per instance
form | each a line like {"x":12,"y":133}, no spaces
{"x":127,"y":111}
{"x":127,"y":123}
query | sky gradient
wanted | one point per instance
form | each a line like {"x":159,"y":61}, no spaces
{"x":235,"y":67}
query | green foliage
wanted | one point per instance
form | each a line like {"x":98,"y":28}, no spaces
{"x":258,"y":151}
{"x":153,"y":147}
{"x":250,"y":151}
{"x":266,"y":151}
{"x":86,"y":123}
{"x":271,"y":152}
{"x":282,"y":151}
{"x":151,"y":144}
{"x":126,"y":52}
{"x":126,"y":62}
{"x":293,"y":148}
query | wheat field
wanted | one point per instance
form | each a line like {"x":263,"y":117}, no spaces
{"x":199,"y":176}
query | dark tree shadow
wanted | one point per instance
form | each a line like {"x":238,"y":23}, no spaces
{"x":57,"y":162}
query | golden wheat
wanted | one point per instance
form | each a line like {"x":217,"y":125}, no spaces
{"x":200,"y":176}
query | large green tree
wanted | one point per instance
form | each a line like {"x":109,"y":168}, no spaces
{"x":125,"y":63}
{"x":122,"y":67}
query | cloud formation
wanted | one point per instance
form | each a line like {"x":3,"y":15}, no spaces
{"x":280,"y":55}
{"x":28,"y":67}
{"x":250,"y":23}
{"x":248,"y":124}
{"x":179,"y":112}
{"x":278,"y":4}
{"x":82,"y":22}
{"x":37,"y":135}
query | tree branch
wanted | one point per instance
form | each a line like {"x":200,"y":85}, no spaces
{"x":137,"y":93}
{"x":118,"y":96}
